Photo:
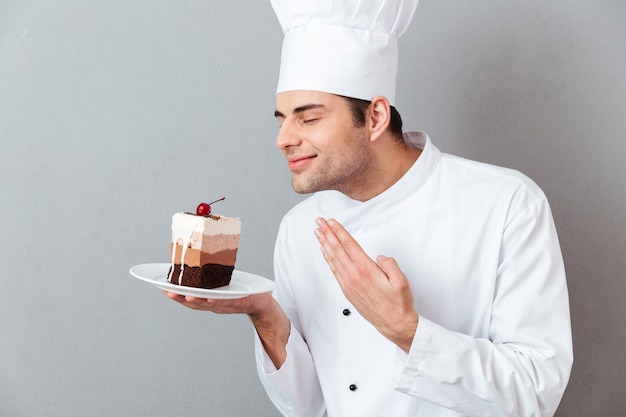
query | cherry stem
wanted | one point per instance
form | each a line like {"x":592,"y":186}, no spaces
{"x":223,"y":198}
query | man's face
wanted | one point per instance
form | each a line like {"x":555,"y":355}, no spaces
{"x":324,"y":149}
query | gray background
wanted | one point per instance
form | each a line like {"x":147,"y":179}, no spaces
{"x":116,"y":114}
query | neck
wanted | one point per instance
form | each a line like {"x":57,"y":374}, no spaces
{"x":391,"y":160}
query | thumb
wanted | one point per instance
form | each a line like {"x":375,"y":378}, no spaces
{"x":391,"y":268}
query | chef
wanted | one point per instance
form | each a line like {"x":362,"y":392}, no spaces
{"x":411,"y":282}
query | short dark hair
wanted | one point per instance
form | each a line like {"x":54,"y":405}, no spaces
{"x":359,"y":107}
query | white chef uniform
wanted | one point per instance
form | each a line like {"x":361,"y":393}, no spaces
{"x":480,"y":250}
{"x":477,"y":243}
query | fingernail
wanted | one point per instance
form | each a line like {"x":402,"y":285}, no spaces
{"x":319,"y":221}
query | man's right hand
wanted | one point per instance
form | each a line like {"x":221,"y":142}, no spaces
{"x":269,"y":319}
{"x":253,"y":304}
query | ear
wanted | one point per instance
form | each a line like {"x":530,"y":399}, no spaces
{"x":378,"y":117}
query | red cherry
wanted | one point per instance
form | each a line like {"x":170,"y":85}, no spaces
{"x":204,"y":209}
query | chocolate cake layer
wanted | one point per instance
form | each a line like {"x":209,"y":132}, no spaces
{"x":208,"y":276}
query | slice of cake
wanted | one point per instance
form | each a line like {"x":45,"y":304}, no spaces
{"x":203,"y":248}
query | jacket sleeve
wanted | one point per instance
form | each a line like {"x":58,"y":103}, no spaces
{"x":523,"y":367}
{"x":294,"y":388}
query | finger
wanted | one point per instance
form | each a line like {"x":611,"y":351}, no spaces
{"x":189,"y":302}
{"x":350,"y":246}
{"x":354,"y":271}
{"x":340,"y":263}
{"x":331,"y":260}
{"x":174,"y":296}
{"x":194,"y":300}
{"x":336,"y":267}
{"x":340,"y":243}
{"x":364,"y":266}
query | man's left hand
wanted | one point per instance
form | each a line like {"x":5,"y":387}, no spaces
{"x":378,"y":290}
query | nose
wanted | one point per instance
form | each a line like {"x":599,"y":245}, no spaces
{"x":287,"y":136}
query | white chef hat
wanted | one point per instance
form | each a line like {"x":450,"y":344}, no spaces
{"x":345,"y":47}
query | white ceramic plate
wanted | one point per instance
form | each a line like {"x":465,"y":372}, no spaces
{"x":241,"y":285}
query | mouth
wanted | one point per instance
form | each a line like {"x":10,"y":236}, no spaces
{"x":298,"y":162}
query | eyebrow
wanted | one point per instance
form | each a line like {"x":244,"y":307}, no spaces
{"x":300,"y":109}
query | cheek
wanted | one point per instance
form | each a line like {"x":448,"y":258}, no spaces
{"x":337,"y":140}
{"x":347,"y":157}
